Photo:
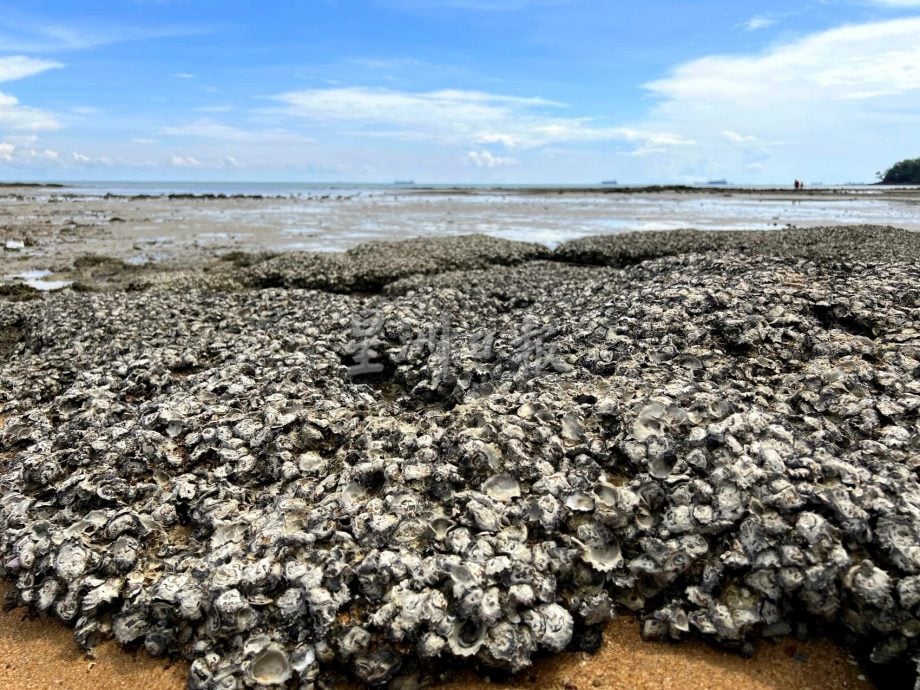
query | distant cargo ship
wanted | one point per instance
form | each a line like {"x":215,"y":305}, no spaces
{"x":404,"y":182}
{"x":716,"y":183}
{"x":608,"y":182}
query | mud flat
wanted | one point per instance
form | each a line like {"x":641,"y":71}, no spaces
{"x":385,"y":466}
{"x":46,"y":229}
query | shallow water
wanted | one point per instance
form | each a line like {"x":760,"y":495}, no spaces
{"x":548,"y":219}
{"x":153,"y":228}
{"x":36,"y":278}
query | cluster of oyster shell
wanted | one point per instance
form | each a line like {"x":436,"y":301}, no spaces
{"x":372,"y":265}
{"x":845,"y":244}
{"x":726,"y":445}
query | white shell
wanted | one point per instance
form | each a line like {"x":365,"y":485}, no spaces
{"x":502,"y":487}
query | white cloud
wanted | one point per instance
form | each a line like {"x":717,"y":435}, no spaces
{"x":184,"y":75}
{"x":841,"y":103}
{"x":13,"y":115}
{"x":85,"y":110}
{"x":223,"y":108}
{"x":738,"y":138}
{"x":24,"y":33}
{"x":32,"y":156}
{"x":757,"y":22}
{"x":386,"y":63}
{"x":481,"y":5}
{"x":15,"y":154}
{"x":358,"y":103}
{"x":22,"y":139}
{"x":18,"y":117}
{"x":457,"y":117}
{"x":20,"y":67}
{"x":851,"y":62}
{"x":184,"y":162}
{"x":896,"y":3}
{"x":487,"y":159}
{"x":209,"y":129}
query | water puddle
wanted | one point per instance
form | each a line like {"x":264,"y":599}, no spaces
{"x":38,"y":279}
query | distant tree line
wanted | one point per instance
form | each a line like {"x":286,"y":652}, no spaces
{"x":905,"y":172}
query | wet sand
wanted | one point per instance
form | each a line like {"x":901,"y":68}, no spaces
{"x":38,"y":653}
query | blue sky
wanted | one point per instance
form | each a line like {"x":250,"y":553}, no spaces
{"x":458,"y":91}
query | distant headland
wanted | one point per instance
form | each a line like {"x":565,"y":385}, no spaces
{"x":905,"y":172}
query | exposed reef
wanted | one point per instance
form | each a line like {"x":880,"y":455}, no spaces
{"x":842,"y":244}
{"x":368,"y":267}
{"x":496,"y":450}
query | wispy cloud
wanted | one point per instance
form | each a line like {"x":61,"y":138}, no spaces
{"x":386,"y":63}
{"x":219,"y":108}
{"x":360,"y":103}
{"x":757,"y":22}
{"x":27,"y":33}
{"x":184,"y":162}
{"x":456,"y":117}
{"x":20,"y":67}
{"x":736,"y":138}
{"x":211,"y":130}
{"x":85,"y":110}
{"x":480,"y":5}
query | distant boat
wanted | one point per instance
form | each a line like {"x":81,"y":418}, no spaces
{"x":404,"y":182}
{"x":715,"y":183}
{"x":609,"y":183}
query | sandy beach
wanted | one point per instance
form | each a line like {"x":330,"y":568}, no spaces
{"x":396,"y":463}
{"x":40,"y":653}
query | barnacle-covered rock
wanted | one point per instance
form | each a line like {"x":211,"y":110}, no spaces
{"x":724,"y":443}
